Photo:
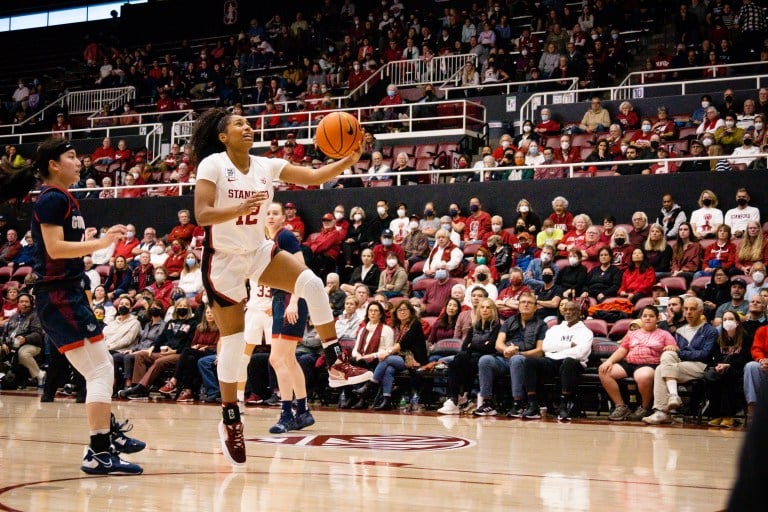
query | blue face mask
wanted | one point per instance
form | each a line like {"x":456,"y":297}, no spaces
{"x":191,"y":262}
{"x":441,"y":274}
{"x":391,"y":94}
{"x":446,"y":227}
{"x":481,"y":260}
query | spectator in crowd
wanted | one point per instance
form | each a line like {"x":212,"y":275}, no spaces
{"x":520,"y":337}
{"x":186,"y":374}
{"x":708,"y":217}
{"x":11,"y":248}
{"x":548,"y":126}
{"x":184,"y":230}
{"x":726,"y":370}
{"x":686,"y":254}
{"x":604,"y":280}
{"x":479,"y":342}
{"x":21,"y":336}
{"x":566,"y":348}
{"x":697,"y":150}
{"x":638,"y":279}
{"x":596,"y":119}
{"x":638,"y":356}
{"x":164,"y":353}
{"x":737,"y":302}
{"x":683,"y":362}
{"x":325,"y":248}
{"x":753,"y":248}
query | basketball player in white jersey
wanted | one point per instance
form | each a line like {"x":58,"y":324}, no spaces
{"x":232,"y":189}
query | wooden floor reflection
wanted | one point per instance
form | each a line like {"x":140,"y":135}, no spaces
{"x":363,"y":461}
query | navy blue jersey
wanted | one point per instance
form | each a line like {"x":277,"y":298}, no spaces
{"x":58,"y":207}
{"x":285,"y":241}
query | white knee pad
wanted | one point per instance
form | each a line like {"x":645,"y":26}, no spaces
{"x":231,"y":349}
{"x":310,"y":288}
{"x":95,"y":363}
{"x":242,"y":372}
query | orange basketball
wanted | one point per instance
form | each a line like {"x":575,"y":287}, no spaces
{"x":339,"y":135}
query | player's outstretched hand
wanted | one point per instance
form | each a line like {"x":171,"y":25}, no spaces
{"x":114,"y":233}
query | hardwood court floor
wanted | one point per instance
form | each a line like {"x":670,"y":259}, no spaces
{"x":363,"y":461}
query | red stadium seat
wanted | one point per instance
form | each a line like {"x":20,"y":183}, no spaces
{"x":598,"y":327}
{"x":619,"y":329}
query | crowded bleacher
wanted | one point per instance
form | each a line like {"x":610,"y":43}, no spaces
{"x":663,"y":307}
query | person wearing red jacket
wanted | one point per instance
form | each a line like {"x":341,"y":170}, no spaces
{"x":105,"y":154}
{"x":639,"y":278}
{"x":723,"y":250}
{"x":566,"y":152}
{"x":184,"y":230}
{"x":477,"y":224}
{"x":325,"y":247}
{"x":293,"y":222}
{"x":124,"y":247}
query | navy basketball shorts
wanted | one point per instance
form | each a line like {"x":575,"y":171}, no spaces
{"x":280,"y":326}
{"x":67,"y":317}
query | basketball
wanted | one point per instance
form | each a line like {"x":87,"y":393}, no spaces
{"x":339,"y":135}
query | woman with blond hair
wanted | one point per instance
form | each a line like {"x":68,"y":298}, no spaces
{"x":658,"y":253}
{"x":705,"y":220}
{"x":753,"y":248}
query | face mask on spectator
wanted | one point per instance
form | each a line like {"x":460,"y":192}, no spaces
{"x":495,"y":228}
{"x":620,"y":241}
{"x":391,"y":94}
{"x":573,"y":261}
{"x":401,"y":213}
{"x":155,"y":311}
{"x":707,"y":142}
{"x":646,"y":128}
{"x":527,"y":128}
{"x":413,"y":225}
{"x":546,"y":257}
{"x":381,"y":210}
{"x":386,"y":242}
{"x":706,"y":202}
{"x":441,"y":274}
{"x":391,"y":262}
{"x":704,"y":104}
{"x":758,"y":126}
{"x":533,"y":150}
{"x":730,"y":325}
{"x":338,"y":215}
{"x":545,"y":117}
{"x":446,"y":227}
{"x":758,"y":276}
{"x":428,"y":213}
{"x":481,"y":260}
{"x":565,"y":146}
{"x":453,"y":212}
{"x":357,"y":217}
{"x":547,"y":278}
{"x":482,"y":276}
{"x":123,"y":310}
{"x":729,"y":124}
{"x":190,"y":262}
{"x":505,"y":144}
{"x":474,"y":208}
{"x":159,"y":277}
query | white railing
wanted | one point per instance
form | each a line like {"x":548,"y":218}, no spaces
{"x":79,"y":102}
{"x":468,"y":119}
{"x":144,"y":118}
{"x":550,"y":98}
{"x":152,"y":135}
{"x":508,"y":88}
{"x":421,"y":71}
{"x":86,"y":102}
{"x":638,"y":77}
{"x":398,"y":178}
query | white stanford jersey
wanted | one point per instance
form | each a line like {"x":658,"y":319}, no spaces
{"x":260,"y":298}
{"x":245,"y":233}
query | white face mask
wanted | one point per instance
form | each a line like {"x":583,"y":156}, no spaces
{"x":357,"y":217}
{"x":704,"y":104}
{"x":446,"y":227}
{"x":157,"y":249}
{"x":565,"y":145}
{"x":338,"y":215}
{"x":391,"y":263}
{"x":401,"y":213}
{"x":546,"y":257}
{"x":706,"y":142}
{"x":524,"y":209}
{"x":159,"y":277}
{"x":573,"y":261}
{"x":730,"y":325}
{"x":505,"y":144}
{"x":526,"y":129}
{"x":413,"y":225}
{"x":381,"y":210}
{"x":729,"y":124}
{"x":545,"y":117}
{"x":758,"y":126}
{"x":758,"y":276}
{"x":495,"y":228}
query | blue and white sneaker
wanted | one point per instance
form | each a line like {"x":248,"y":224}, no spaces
{"x":121,"y":442}
{"x":284,"y":424}
{"x":107,"y":463}
{"x":304,"y":420}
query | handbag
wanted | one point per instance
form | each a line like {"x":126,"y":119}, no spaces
{"x":410,"y":361}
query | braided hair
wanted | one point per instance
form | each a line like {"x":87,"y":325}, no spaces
{"x":205,"y":134}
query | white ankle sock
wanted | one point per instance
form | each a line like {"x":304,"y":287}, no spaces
{"x":672,"y":386}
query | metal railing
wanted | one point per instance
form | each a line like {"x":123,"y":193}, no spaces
{"x":400,"y":178}
{"x":422,"y":71}
{"x":639,"y":77}
{"x":144,"y":118}
{"x":550,"y":98}
{"x":469,"y":119}
{"x":86,"y":102}
{"x":152,"y":135}
{"x":510,"y":87}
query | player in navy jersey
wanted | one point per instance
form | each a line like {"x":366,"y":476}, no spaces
{"x":233,"y":187}
{"x":289,"y":319}
{"x":61,"y":240}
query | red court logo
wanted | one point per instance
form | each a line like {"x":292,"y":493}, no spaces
{"x":370,"y":442}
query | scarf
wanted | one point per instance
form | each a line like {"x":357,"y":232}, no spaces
{"x":365,"y":348}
